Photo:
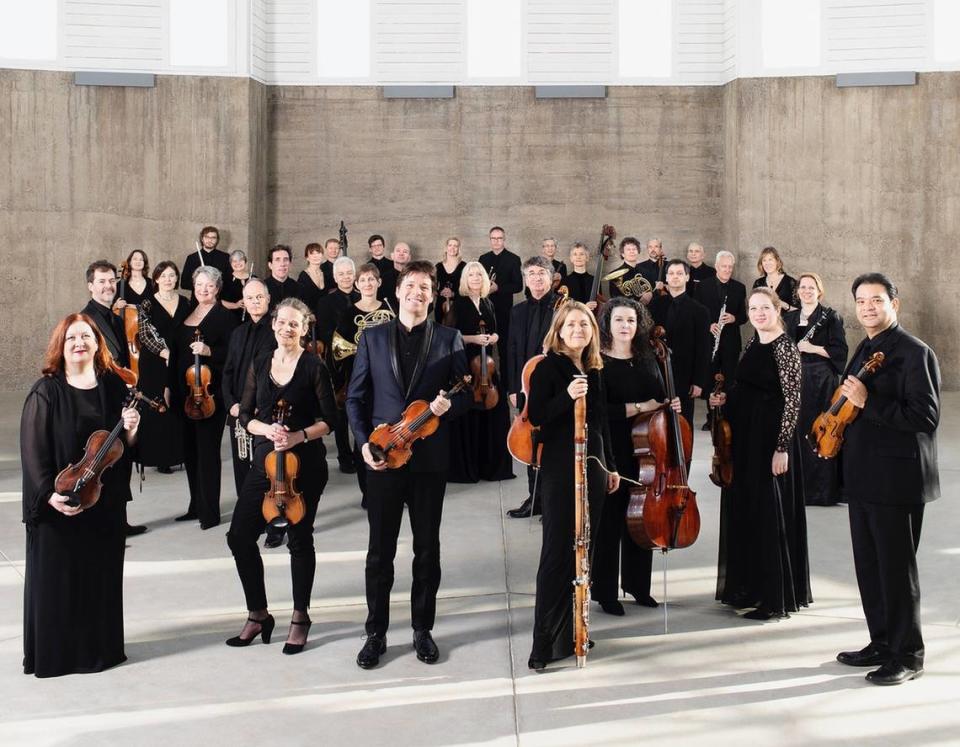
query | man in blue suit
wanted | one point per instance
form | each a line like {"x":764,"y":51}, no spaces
{"x":410,"y":358}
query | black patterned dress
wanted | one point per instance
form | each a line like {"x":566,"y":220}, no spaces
{"x":763,"y":557}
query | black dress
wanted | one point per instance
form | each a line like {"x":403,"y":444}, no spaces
{"x":579,"y":284}
{"x":763,"y":529}
{"x":821,"y":376}
{"x":616,"y":555}
{"x":310,"y":292}
{"x":232,"y":291}
{"x":131,"y":296}
{"x":478,"y":439}
{"x":449,"y":280}
{"x":158,"y":438}
{"x":73,"y":594}
{"x":551,"y":409}
{"x":786,"y":290}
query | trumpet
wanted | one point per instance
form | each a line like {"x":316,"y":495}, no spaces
{"x":244,"y":441}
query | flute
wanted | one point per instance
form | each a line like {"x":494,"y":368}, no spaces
{"x":720,"y":323}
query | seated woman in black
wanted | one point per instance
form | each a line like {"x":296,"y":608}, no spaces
{"x":570,"y":371}
{"x":303,"y":383}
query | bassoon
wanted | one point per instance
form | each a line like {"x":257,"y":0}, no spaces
{"x":581,"y":541}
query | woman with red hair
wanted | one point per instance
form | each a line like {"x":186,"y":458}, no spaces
{"x":73,"y":596}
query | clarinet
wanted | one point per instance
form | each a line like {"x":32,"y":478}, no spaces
{"x":720,"y":323}
{"x":814,"y":327}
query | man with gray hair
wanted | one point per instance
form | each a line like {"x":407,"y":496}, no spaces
{"x":699,"y":270}
{"x":529,"y":324}
{"x":548,"y":249}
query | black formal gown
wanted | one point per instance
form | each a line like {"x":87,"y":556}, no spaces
{"x":551,"y":409}
{"x":73,"y":593}
{"x":616,"y":555}
{"x":131,"y":296}
{"x":786,"y":289}
{"x":763,"y":528}
{"x":158,"y":438}
{"x":449,"y":280}
{"x":504,"y":270}
{"x":478,"y":439}
{"x":821,"y":376}
{"x":310,"y":292}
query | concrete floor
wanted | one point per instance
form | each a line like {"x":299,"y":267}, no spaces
{"x":712,"y":679}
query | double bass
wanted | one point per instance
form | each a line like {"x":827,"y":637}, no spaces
{"x":826,"y":433}
{"x":483,"y":369}
{"x":664,"y":514}
{"x":523,"y":435}
{"x":721,"y":469}
{"x":283,"y":502}
{"x":199,"y":403}
{"x":607,"y":236}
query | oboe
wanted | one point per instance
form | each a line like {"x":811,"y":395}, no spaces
{"x":720,"y":323}
{"x":244,"y":441}
{"x":581,"y":542}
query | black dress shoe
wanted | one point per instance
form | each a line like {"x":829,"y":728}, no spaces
{"x":537,"y":665}
{"x":296,"y":648}
{"x":274,"y":537}
{"x":427,"y":650}
{"x":348,"y":468}
{"x":134,"y":530}
{"x":612,"y":608}
{"x":647,"y":601}
{"x":705,"y":426}
{"x":211,"y":525}
{"x":765,"y":613}
{"x":189,"y":516}
{"x":523,"y":511}
{"x":165,"y":470}
{"x":374,"y":647}
{"x":266,"y":630}
{"x":893,"y":673}
{"x":869,"y":656}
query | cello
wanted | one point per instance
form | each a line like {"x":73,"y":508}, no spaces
{"x":607,"y":236}
{"x":826,"y":433}
{"x":130,"y":315}
{"x":482,"y":369}
{"x":283,"y":503}
{"x":664,"y":514}
{"x":80,"y":482}
{"x":523,"y":434}
{"x":199,"y":403}
{"x":721,"y":472}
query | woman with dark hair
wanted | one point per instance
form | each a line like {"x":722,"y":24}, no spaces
{"x":201,"y":438}
{"x":818,"y":332}
{"x":311,"y":280}
{"x":449,"y":272}
{"x":135,"y":285}
{"x":570,"y":371}
{"x":633,"y":385}
{"x":159,"y":440}
{"x":302,"y":382}
{"x":772,"y":276}
{"x":73,"y":595}
{"x":763,"y":560}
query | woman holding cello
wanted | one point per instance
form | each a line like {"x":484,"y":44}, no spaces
{"x":632,"y":386}
{"x":73,"y":596}
{"x":478,"y":440}
{"x":570,"y":371}
{"x":763,"y":560}
{"x":284,"y":376}
{"x":201,"y":343}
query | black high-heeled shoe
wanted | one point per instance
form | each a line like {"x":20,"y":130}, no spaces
{"x":266,"y":630}
{"x":296,"y":648}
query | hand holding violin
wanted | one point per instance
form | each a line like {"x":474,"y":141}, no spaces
{"x":378,"y":465}
{"x":440,"y":404}
{"x":855,"y":391}
{"x":131,"y":420}
{"x":59,"y":503}
{"x":718,"y":399}
{"x":200,"y":348}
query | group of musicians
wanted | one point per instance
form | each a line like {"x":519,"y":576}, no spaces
{"x":346,"y":349}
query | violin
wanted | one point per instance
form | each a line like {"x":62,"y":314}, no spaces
{"x":131,"y":326}
{"x":607,"y":236}
{"x":482,"y":370}
{"x":315,"y":346}
{"x":523,"y":434}
{"x":826,"y":433}
{"x":721,"y":472}
{"x":81,"y":482}
{"x":393,"y":443}
{"x":664,"y":514}
{"x":283,"y":503}
{"x":199,"y":403}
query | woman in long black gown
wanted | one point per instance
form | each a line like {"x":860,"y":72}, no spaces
{"x":159,"y":443}
{"x":632,"y":385}
{"x":73,"y":594}
{"x":818,"y":332}
{"x":135,"y":285}
{"x":449,"y":274}
{"x":201,"y":438}
{"x":773,"y":276}
{"x":311,"y":280}
{"x":478,"y":439}
{"x":303,"y":383}
{"x":572,"y":348}
{"x":763,"y":560}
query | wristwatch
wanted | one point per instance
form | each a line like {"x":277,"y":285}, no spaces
{"x":305,"y":436}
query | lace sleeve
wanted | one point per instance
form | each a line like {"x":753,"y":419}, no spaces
{"x":146,"y":333}
{"x":788,"y":368}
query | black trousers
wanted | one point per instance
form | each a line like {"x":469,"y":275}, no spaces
{"x":201,"y":457}
{"x":341,"y":434}
{"x":248,"y":524}
{"x":885,"y":541}
{"x":387,"y":492}
{"x":616,"y":556}
{"x":240,"y":466}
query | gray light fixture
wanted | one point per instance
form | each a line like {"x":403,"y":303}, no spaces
{"x":126,"y":80}
{"x":418,"y":92}
{"x":895,"y":78}
{"x":571,"y":92}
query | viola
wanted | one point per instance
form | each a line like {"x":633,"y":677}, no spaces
{"x":393,"y":443}
{"x":826,"y":433}
{"x":283,"y":503}
{"x":523,"y":434}
{"x":607,"y":236}
{"x":721,"y":471}
{"x":664,"y":514}
{"x":81,"y":482}
{"x":483,"y":369}
{"x":199,"y":403}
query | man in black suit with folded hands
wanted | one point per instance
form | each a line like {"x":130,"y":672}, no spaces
{"x":410,"y":358}
{"x":889,"y":469}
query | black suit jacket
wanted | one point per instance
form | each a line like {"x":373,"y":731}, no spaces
{"x":111,"y":327}
{"x":518,"y":349}
{"x":889,"y":453}
{"x":689,"y":339}
{"x":246,"y":342}
{"x":711,"y":293}
{"x":376,"y":394}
